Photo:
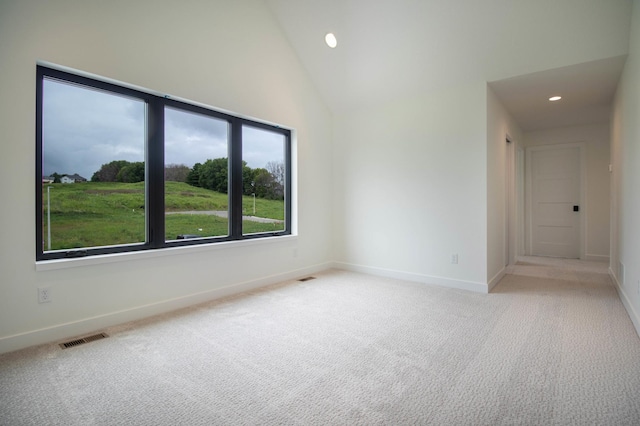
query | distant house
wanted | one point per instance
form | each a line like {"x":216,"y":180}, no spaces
{"x":74,"y":178}
{"x":77,"y":178}
{"x":47,"y":179}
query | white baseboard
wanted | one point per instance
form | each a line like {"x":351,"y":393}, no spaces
{"x":410,"y":276}
{"x":89,"y":325}
{"x":633,"y":314}
{"x":496,"y":279}
{"x":597,"y":258}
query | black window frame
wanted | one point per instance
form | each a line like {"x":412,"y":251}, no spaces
{"x":154,"y":160}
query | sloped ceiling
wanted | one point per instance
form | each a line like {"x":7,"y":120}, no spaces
{"x":389,"y":49}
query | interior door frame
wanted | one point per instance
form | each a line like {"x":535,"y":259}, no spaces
{"x":510,"y":233}
{"x":521,"y":212}
{"x":582,"y":227}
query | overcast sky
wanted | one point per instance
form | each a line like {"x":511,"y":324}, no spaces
{"x":84,"y":129}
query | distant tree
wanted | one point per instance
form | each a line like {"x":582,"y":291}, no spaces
{"x":214,"y":175}
{"x":109,"y":172}
{"x":193,"y":178}
{"x":276,"y":168}
{"x":56,"y":177}
{"x":131,"y":173}
{"x":277,"y":171}
{"x":248,"y":182}
{"x":265,"y":184}
{"x":176,"y":172}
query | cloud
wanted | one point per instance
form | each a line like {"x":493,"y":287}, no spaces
{"x":261,"y":146}
{"x":84,"y":128}
{"x":193,"y":138}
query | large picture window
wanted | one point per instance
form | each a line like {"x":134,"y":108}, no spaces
{"x":120,"y":169}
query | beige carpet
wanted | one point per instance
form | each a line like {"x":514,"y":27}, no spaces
{"x":552,"y":345}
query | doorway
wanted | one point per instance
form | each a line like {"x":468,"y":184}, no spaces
{"x":555,"y":176}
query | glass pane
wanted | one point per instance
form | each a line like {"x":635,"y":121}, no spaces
{"x":196,"y":175}
{"x":93,"y":167}
{"x":263,"y":180}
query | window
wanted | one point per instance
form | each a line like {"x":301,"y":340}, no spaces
{"x":196,"y":151}
{"x":120,"y":169}
{"x":263,"y":179}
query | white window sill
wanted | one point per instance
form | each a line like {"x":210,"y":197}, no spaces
{"x":49,"y":265}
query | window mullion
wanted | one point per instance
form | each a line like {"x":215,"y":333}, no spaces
{"x":155,"y":173}
{"x":235,"y":180}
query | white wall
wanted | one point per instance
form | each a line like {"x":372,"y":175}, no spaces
{"x":625,"y":155}
{"x":500,"y":125}
{"x":595,"y":139}
{"x":411,"y":188}
{"x":227,"y":54}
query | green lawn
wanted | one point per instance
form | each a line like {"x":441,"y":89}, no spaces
{"x":94,"y":214}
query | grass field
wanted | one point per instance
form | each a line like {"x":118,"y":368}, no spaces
{"x":92,"y":214}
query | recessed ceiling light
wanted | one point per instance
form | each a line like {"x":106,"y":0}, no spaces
{"x":331,"y":40}
{"x":555,"y":98}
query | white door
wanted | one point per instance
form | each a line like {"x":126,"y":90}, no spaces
{"x":555,"y":210}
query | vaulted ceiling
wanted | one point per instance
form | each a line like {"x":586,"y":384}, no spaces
{"x":526,"y":49}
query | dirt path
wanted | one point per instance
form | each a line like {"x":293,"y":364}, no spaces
{"x":225,"y":214}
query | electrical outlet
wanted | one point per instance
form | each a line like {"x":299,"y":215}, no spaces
{"x":44,"y":294}
{"x":454,"y":258}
